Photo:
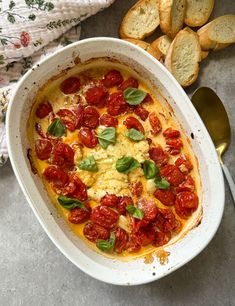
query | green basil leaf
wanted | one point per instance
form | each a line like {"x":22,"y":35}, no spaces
{"x":88,"y":164}
{"x":126,"y":164}
{"x":135,"y":212}
{"x":134,"y":96}
{"x":107,"y":137}
{"x":70,"y":203}
{"x":150,"y":169}
{"x":161,"y":183}
{"x":56,"y":128}
{"x":106,"y":245}
{"x":134,"y":135}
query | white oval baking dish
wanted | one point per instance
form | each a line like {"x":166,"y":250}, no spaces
{"x":98,"y":266}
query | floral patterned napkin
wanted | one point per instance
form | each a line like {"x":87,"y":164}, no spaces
{"x":29,"y":31}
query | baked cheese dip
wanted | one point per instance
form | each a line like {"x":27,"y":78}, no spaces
{"x":113,"y":160}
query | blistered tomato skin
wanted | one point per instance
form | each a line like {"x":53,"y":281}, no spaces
{"x":43,"y":148}
{"x":96,"y":96}
{"x":174,"y":146}
{"x":186,"y":203}
{"x":184,"y":164}
{"x":158,"y":155}
{"x":75,"y":188}
{"x":161,"y":238}
{"x":108,"y":120}
{"x":166,"y":197}
{"x":122,"y":203}
{"x":144,"y":236}
{"x":141,"y":112}
{"x":121,"y":240}
{"x":79,"y":111}
{"x":104,"y":216}
{"x":90,"y":117}
{"x":116,"y":105}
{"x":172,"y":174}
{"x":136,"y":188}
{"x":43,"y":110}
{"x":57,"y":176}
{"x":155,"y":123}
{"x":165,"y":221}
{"x":112,"y":78}
{"x":133,"y":123}
{"x":148,"y":99}
{"x":88,"y":137}
{"x":79,"y":215}
{"x":110,"y":200}
{"x":93,"y":232}
{"x":171,"y":133}
{"x":68,"y":118}
{"x":62,"y":155}
{"x":130,"y":82}
{"x":187,"y":185}
{"x":70,"y":85}
{"x":149,"y":207}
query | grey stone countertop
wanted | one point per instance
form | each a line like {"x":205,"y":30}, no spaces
{"x":34,"y":272}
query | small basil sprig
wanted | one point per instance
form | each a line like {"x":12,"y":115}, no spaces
{"x":88,"y":164}
{"x":134,"y":96}
{"x":56,"y":128}
{"x":107,"y":137}
{"x":161,"y":183}
{"x":126,"y":164}
{"x":106,"y":245}
{"x":150,"y":169}
{"x":70,"y":203}
{"x":134,"y":134}
{"x":135,"y":212}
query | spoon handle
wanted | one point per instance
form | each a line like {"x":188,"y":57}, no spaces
{"x":229,"y":180}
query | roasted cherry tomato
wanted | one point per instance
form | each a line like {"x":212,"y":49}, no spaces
{"x":149,"y":207}
{"x":130,"y":82}
{"x":184,"y":164}
{"x":112,"y":78}
{"x":158,"y":155}
{"x":110,"y":200}
{"x":70,"y":85}
{"x":136,"y":188}
{"x":97,"y":96}
{"x":93,"y":232}
{"x":187,"y":185}
{"x":172,"y":174}
{"x":155,"y":123}
{"x":79,"y":111}
{"x":166,"y":197}
{"x":121,"y":240}
{"x":104,"y":216}
{"x":39,"y":130}
{"x":174,"y":146}
{"x":62,"y":155}
{"x":165,"y":221}
{"x":186,"y":203}
{"x":43,"y":148}
{"x":133,"y":123}
{"x":68,"y":118}
{"x":88,"y":137}
{"x":133,"y":246}
{"x":57,"y":176}
{"x":90,"y":117}
{"x":108,"y":120}
{"x":79,"y":215}
{"x":161,"y":238}
{"x":170,"y":133}
{"x":75,"y":188}
{"x":144,"y":236}
{"x":148,"y":99}
{"x":122,"y":203}
{"x":116,"y":105}
{"x":141,"y":112}
{"x":43,"y":109}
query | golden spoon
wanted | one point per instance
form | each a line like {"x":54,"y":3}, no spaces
{"x":215,"y":118}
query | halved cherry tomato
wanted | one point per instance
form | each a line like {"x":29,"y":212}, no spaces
{"x":133,"y":123}
{"x":149,"y":207}
{"x":155,"y":123}
{"x":166,"y":197}
{"x":110,"y":200}
{"x":148,"y":99}
{"x":97,"y":96}
{"x":43,"y":148}
{"x":174,"y":146}
{"x":43,"y":109}
{"x":75,"y":188}
{"x":88,"y":137}
{"x":121,"y":240}
{"x":122,"y":203}
{"x":136,"y":188}
{"x":133,"y":246}
{"x":70,"y":85}
{"x":93,"y":232}
{"x":116,"y":105}
{"x":104,"y":216}
{"x":108,"y":120}
{"x":158,"y":155}
{"x":90,"y":117}
{"x":62,"y":155}
{"x":57,"y":176}
{"x":141,"y":112}
{"x":161,"y":238}
{"x":184,"y":164}
{"x":130,"y":82}
{"x":79,"y":111}
{"x":144,"y":236}
{"x":112,"y":78}
{"x":172,"y":174}
{"x":165,"y":221}
{"x":187,"y":185}
{"x":170,"y":133}
{"x":68,"y":118}
{"x":79,"y":215}
{"x":186,"y":203}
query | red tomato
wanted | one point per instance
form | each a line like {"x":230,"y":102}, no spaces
{"x":96,"y":96}
{"x":108,"y":120}
{"x":79,"y":215}
{"x":112,"y":78}
{"x":149,"y":140}
{"x":88,"y":137}
{"x":133,"y":246}
{"x":149,"y":208}
{"x":62,"y":155}
{"x":79,"y":111}
{"x":144,"y":236}
{"x":158,"y":155}
{"x":174,"y":146}
{"x":75,"y":188}
{"x":43,"y":148}
{"x":166,"y":197}
{"x":39,"y":130}
{"x":68,"y":118}
{"x":141,"y":112}
{"x":187,"y":185}
{"x":90,"y":117}
{"x":130,"y":82}
{"x":110,"y":200}
{"x":161,"y":238}
{"x":155,"y":123}
{"x":178,"y":226}
{"x":186,"y":203}
{"x":172,"y":174}
{"x":170,"y":133}
{"x":122,"y":203}
{"x":136,"y":188}
{"x":133,"y":123}
{"x":148,"y":99}
{"x":43,"y":109}
{"x":165,"y":221}
{"x":104,"y":216}
{"x":57,"y":176}
{"x":116,"y":105}
{"x":121,"y":240}
{"x":184,"y":164}
{"x":93,"y":232}
{"x":70,"y":85}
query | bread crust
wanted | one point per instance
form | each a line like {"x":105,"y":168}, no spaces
{"x":156,"y":44}
{"x":196,"y":22}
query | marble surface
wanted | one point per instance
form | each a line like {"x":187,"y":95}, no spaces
{"x":34,"y":272}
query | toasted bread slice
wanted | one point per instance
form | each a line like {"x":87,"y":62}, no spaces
{"x":198,"y":12}
{"x":147,"y":47}
{"x":218,"y":33}
{"x":162,"y":45}
{"x":183,"y":57}
{"x":172,"y":13}
{"x":141,"y":20}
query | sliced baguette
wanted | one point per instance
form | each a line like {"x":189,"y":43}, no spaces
{"x":141,"y":20}
{"x":162,"y":45}
{"x":198,"y":12}
{"x":172,"y":13}
{"x":147,"y":47}
{"x":218,"y":33}
{"x":183,"y":57}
